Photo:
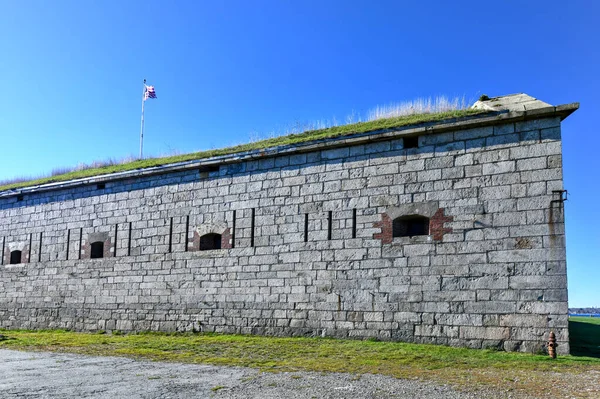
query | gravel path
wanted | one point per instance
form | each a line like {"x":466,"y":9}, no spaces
{"x":57,"y":375}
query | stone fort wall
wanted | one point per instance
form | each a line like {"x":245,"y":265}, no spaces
{"x":307,"y":244}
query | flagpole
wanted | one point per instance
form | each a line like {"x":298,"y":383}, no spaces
{"x":142,"y":125}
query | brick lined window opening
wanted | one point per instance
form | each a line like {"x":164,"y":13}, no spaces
{"x":97,"y":250}
{"x":15,"y":257}
{"x":210,"y":241}
{"x":410,"y":226}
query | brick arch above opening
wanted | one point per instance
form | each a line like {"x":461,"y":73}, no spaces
{"x":212,"y":230}
{"x":13,"y":247}
{"x":90,"y":244}
{"x":429,"y":210}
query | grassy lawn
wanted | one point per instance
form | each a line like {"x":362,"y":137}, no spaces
{"x":458,"y":366}
{"x":585,"y":336}
{"x":344,"y":130}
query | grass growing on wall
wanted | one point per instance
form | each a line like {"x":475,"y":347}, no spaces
{"x":310,"y":135}
{"x":459,"y":366}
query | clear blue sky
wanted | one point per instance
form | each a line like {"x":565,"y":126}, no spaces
{"x":226,"y":72}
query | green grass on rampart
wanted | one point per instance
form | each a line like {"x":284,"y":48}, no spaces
{"x":311,"y":135}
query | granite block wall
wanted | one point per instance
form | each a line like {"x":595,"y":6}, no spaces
{"x":306,"y":246}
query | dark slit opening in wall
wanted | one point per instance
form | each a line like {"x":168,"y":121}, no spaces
{"x":410,"y":226}
{"x":68,"y":241}
{"x":30,"y":242}
{"x":252,"y":229}
{"x":116,"y":239}
{"x":329,"y":224}
{"x":205,"y":171}
{"x":187,"y":232}
{"x":80,"y":240}
{"x":40,"y":250}
{"x":233,"y":231}
{"x":97,"y":250}
{"x":354,"y":223}
{"x":171,"y":236}
{"x":15,"y":257}
{"x":129,"y":241}
{"x":306,"y":227}
{"x":210,"y":241}
{"x":411,"y":142}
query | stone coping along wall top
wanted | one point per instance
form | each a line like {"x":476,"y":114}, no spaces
{"x":502,"y":109}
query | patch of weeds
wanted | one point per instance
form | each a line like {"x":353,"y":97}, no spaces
{"x":272,"y":384}
{"x":484,"y":97}
{"x":218,"y":388}
{"x":296,"y":377}
{"x":498,"y":347}
{"x":5,"y":338}
{"x":154,"y":377}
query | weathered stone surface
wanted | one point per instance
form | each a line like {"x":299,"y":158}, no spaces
{"x":304,"y":245}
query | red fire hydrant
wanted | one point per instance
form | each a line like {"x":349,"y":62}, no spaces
{"x":552,"y":345}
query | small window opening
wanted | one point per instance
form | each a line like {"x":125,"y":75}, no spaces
{"x":15,"y":257}
{"x":206,"y":170}
{"x":20,"y":197}
{"x":410,"y":226}
{"x":97,"y":250}
{"x":411,"y":142}
{"x":210,"y":241}
{"x":101,"y":186}
{"x":354,"y":223}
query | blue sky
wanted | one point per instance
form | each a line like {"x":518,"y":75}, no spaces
{"x":228,"y":72}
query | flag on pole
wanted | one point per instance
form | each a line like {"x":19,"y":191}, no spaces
{"x":149,"y":92}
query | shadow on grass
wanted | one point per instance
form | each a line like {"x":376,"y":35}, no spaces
{"x":584,"y":338}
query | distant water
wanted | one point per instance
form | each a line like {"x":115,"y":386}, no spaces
{"x":585,"y":314}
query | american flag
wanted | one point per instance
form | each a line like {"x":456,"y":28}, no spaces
{"x":149,"y":92}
